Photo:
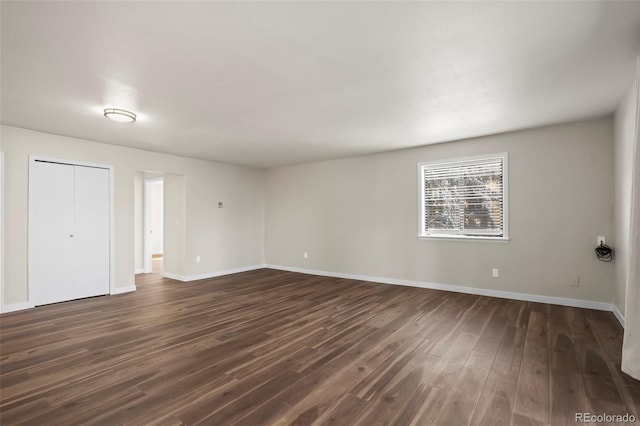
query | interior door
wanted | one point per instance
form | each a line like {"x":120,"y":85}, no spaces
{"x":91,"y":231}
{"x":51,"y":233}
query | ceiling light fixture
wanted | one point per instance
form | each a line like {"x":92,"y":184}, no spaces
{"x":120,"y":115}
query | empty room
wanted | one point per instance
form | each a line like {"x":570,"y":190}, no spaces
{"x":319,"y":212}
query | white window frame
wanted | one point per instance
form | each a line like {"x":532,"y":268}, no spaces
{"x":443,"y":235}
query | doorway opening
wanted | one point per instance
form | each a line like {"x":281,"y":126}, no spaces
{"x":159,"y":225}
{"x":154,"y":225}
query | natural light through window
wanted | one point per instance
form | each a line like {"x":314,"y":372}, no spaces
{"x":464,"y":198}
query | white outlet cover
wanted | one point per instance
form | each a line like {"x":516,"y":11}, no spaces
{"x":495,"y":273}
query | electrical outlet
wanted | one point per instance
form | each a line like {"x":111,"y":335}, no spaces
{"x":197,"y":259}
{"x":601,"y":240}
{"x":495,"y":273}
{"x":219,"y":204}
{"x":305,"y":255}
{"x":575,"y":281}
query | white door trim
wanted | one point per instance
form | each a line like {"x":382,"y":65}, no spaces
{"x":148,"y":263}
{"x":32,"y":161}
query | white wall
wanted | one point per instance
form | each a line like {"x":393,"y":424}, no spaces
{"x":175,"y":230}
{"x":624,"y":134}
{"x":1,"y":226}
{"x":138,"y":221}
{"x":156,"y":201}
{"x":359,"y":215}
{"x":225,"y":238}
{"x":356,"y":215}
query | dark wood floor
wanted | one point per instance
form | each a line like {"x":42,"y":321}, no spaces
{"x":273,"y":347}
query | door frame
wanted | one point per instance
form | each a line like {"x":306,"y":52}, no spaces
{"x":148,"y":262}
{"x":32,"y":160}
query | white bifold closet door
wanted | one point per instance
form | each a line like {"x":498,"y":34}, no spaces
{"x":68,"y":232}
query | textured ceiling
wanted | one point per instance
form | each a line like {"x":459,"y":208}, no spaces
{"x":273,"y":83}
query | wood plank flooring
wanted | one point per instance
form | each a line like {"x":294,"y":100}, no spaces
{"x":272,"y":347}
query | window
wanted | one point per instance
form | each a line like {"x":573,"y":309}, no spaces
{"x":464,"y":198}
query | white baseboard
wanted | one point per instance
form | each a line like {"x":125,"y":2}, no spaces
{"x":618,"y":314}
{"x":16,"y":307}
{"x":27,"y":305}
{"x":212,"y":274}
{"x":139,"y":271}
{"x":120,"y":290}
{"x":577,"y":303}
{"x":173,"y":276}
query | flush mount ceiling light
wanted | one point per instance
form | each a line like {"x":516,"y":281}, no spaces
{"x":120,"y":115}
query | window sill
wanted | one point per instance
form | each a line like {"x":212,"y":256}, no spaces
{"x":464,"y":238}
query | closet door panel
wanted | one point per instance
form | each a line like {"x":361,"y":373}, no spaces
{"x":51,"y":233}
{"x":91,"y":231}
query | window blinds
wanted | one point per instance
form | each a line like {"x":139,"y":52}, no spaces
{"x":464,"y":197}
